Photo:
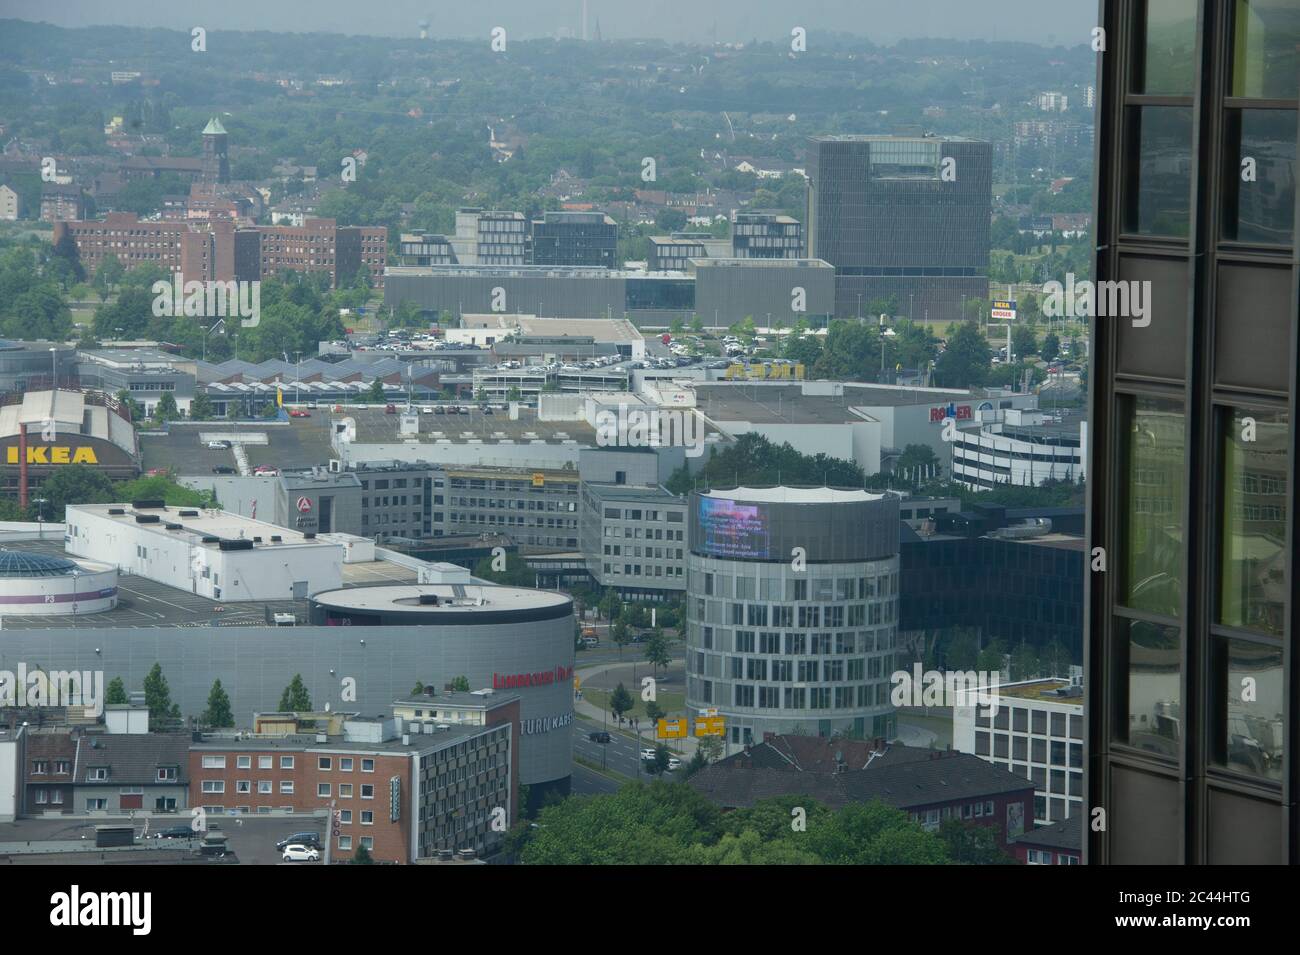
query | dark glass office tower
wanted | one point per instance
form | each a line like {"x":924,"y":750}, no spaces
{"x":902,"y":218}
{"x":575,"y":238}
{"x":1190,"y":628}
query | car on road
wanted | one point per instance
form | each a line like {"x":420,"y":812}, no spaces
{"x":301,"y":854}
{"x":174,"y":832}
{"x":266,"y":470}
{"x":299,"y":413}
{"x":309,"y":839}
{"x":647,"y":754}
{"x":224,"y":469}
{"x":674,"y":763}
{"x":600,"y":736}
{"x":390,"y":409}
{"x":218,"y":445}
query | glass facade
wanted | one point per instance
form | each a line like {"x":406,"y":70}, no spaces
{"x":1154,"y":512}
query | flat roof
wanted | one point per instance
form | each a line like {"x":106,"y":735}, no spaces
{"x":1041,"y":690}
{"x":299,"y":742}
{"x":793,"y":495}
{"x":624,"y":492}
{"x":476,"y":597}
{"x":197,"y":523}
{"x":788,"y":404}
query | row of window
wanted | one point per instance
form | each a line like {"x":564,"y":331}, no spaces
{"x":346,"y":763}
{"x":265,"y":787}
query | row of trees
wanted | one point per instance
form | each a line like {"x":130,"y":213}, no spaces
{"x":164,"y":714}
{"x":671,"y":824}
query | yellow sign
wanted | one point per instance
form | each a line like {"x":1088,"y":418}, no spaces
{"x":48,"y":454}
{"x":279,"y":398}
{"x":672,"y":729}
{"x":539,"y":479}
{"x":711,"y":726}
{"x":577,"y":682}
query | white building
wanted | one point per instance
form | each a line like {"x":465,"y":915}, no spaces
{"x":213,"y":553}
{"x":1036,"y":732}
{"x":1021,"y":447}
{"x":10,"y":204}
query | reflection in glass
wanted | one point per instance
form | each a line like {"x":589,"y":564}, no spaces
{"x":1158,"y":201}
{"x":1154,"y":665}
{"x":1259,"y":188}
{"x":1252,"y":558}
{"x":1252,"y":740}
{"x":1266,"y":37}
{"x":1169,"y":51}
{"x":1153,"y":531}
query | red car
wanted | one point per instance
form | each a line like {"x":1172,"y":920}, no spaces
{"x":299,"y":413}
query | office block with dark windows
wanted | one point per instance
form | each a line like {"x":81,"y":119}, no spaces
{"x":1191,"y":682}
{"x":904,"y":220}
{"x":575,"y":238}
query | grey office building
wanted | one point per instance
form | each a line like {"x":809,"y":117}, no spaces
{"x":769,"y":290}
{"x":792,"y":610}
{"x":634,"y":539}
{"x":901,"y":218}
{"x":766,"y":235}
{"x":575,"y":238}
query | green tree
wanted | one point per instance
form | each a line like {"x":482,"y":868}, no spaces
{"x":460,"y":684}
{"x":200,"y":407}
{"x":1051,"y":346}
{"x":517,"y":573}
{"x":620,"y":633}
{"x":972,"y":845}
{"x":656,"y":650}
{"x":218,"y":713}
{"x":620,"y":701}
{"x":375,"y":393}
{"x":166,"y":409}
{"x":75,"y":484}
{"x":362,"y":855}
{"x":295,"y":698}
{"x":1023,"y":341}
{"x":654,"y":712}
{"x":157,"y":696}
{"x":418,"y":690}
{"x":116,"y":693}
{"x":965,"y":362}
{"x":659,"y":765}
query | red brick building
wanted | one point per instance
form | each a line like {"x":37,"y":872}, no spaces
{"x":402,"y":787}
{"x":219,"y":250}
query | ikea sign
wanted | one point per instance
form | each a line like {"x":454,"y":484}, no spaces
{"x":53,"y":454}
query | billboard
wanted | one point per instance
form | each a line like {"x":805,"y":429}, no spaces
{"x":731,"y":529}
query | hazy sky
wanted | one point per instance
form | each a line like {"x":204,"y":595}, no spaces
{"x":883,"y":21}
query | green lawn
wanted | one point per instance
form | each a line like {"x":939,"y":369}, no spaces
{"x":671,"y":703}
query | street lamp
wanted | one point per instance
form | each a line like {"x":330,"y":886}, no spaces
{"x":40,"y":503}
{"x":54,"y":369}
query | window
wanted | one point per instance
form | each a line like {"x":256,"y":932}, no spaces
{"x":1252,"y":518}
{"x":243,"y":786}
{"x":345,"y":790}
{"x":1248,"y":733}
{"x":1259,"y":175}
{"x":1153,"y":506}
{"x":1153,"y":664}
{"x":1265,"y":63}
{"x":40,"y":767}
{"x":1159,"y":189}
{"x":325,"y":763}
{"x":264,"y":787}
{"x":323,"y":789}
{"x":367,"y":791}
{"x":264,"y":762}
{"x":345,"y":842}
{"x":1165,"y":47}
{"x":286,"y":762}
{"x":214,"y":762}
{"x":97,"y":774}
{"x":367,"y":817}
{"x":367,"y":765}
{"x":214,"y":786}
{"x":243,"y":762}
{"x":286,"y":787}
{"x":345,"y":816}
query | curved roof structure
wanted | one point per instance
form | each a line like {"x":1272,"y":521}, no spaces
{"x":18,"y":563}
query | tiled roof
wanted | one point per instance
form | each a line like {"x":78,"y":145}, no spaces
{"x":134,"y":759}
{"x":1066,"y":834}
{"x":900,"y":776}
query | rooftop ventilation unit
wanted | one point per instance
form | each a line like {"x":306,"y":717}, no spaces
{"x":235,"y":545}
{"x":189,"y":513}
{"x":211,"y":539}
{"x":276,"y":538}
{"x":116,"y":511}
{"x":149,"y":505}
{"x":146,"y":519}
{"x":309,"y":535}
{"x":172,"y":527}
{"x":429,"y":600}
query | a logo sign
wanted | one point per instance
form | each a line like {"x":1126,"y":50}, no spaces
{"x":544,"y":724}
{"x":711,"y":726}
{"x":1005,"y":309}
{"x":950,"y":410}
{"x":304,"y":504}
{"x":672,"y":729}
{"x":53,"y":454}
{"x":539,"y":479}
{"x":514,"y":681}
{"x":395,"y":799}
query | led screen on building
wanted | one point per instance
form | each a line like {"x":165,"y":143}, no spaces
{"x":729,"y":529}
